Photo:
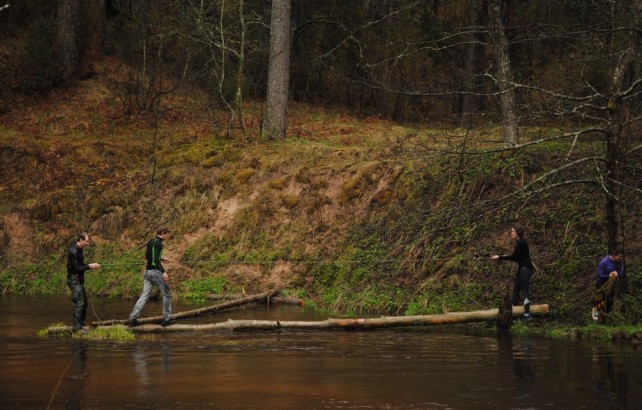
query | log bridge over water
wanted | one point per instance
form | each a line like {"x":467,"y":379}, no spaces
{"x":151,"y":324}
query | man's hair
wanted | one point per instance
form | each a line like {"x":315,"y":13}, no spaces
{"x":81,"y":235}
{"x":162,"y":229}
{"x":617,"y":250}
{"x":519,"y":231}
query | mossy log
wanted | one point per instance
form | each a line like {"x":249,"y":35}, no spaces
{"x":196,"y":312}
{"x":329,"y":324}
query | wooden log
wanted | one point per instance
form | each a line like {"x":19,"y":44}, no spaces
{"x":329,"y":324}
{"x":276,"y":300}
{"x":195,"y":312}
{"x":286,"y":300}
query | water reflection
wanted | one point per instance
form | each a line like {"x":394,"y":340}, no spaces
{"x":522,"y":367}
{"x":140,"y":365}
{"x":156,"y":357}
{"x":166,"y":354}
{"x":76,"y":377}
{"x":611,"y":384}
{"x":518,"y":351}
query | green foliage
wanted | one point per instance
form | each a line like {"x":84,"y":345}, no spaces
{"x":45,"y":332}
{"x":450,"y":295}
{"x":244,"y":175}
{"x":367,"y":298}
{"x":519,"y":328}
{"x":289,"y":201}
{"x":200,"y":288}
{"x":597,"y":331}
{"x":112,"y":333}
{"x":294,"y":293}
{"x":121,"y":271}
{"x":47,"y":277}
{"x":279,"y":183}
{"x":363,"y":179}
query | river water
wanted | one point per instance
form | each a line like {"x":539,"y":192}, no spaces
{"x":453,"y":367}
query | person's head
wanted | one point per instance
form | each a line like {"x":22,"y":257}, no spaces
{"x":82,"y":239}
{"x":617,"y":253}
{"x":162,"y":231}
{"x":517,"y":232}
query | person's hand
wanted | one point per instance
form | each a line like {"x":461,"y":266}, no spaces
{"x":94,"y":265}
{"x":613,"y":274}
{"x":165,"y":277}
{"x":495,"y":257}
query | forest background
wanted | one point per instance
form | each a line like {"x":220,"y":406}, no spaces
{"x":366,"y":156}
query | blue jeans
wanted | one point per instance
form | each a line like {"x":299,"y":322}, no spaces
{"x":153,"y":278}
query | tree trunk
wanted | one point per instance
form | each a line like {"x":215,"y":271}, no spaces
{"x":471,"y":67}
{"x":505,"y":315}
{"x":616,"y":140}
{"x":504,"y":75}
{"x":619,"y":119}
{"x":195,"y":312}
{"x":68,"y":15}
{"x":276,"y":104}
{"x":333,"y":324}
{"x":240,"y":79}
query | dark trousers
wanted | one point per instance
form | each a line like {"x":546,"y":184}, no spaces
{"x":79,"y":298}
{"x":521,"y":286}
{"x":605,"y":296}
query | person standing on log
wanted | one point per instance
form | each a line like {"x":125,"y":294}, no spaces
{"x":610,"y":268}
{"x":76,"y":269}
{"x":521,"y":284}
{"x":155,"y":276}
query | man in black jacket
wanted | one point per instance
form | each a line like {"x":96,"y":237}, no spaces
{"x":76,"y":269}
{"x":155,"y":275}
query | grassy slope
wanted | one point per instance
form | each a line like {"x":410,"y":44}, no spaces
{"x":352,"y":214}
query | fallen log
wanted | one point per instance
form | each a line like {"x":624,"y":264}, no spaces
{"x":329,"y":324}
{"x":195,"y":312}
{"x":276,"y":300}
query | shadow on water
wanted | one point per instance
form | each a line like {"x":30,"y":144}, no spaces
{"x":412,"y":368}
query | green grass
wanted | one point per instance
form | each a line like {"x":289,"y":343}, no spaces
{"x":112,"y":333}
{"x":200,"y":289}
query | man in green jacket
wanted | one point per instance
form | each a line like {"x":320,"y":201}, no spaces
{"x":155,"y":275}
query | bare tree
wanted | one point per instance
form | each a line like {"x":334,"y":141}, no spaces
{"x":275,"y":114}
{"x":219,"y":31}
